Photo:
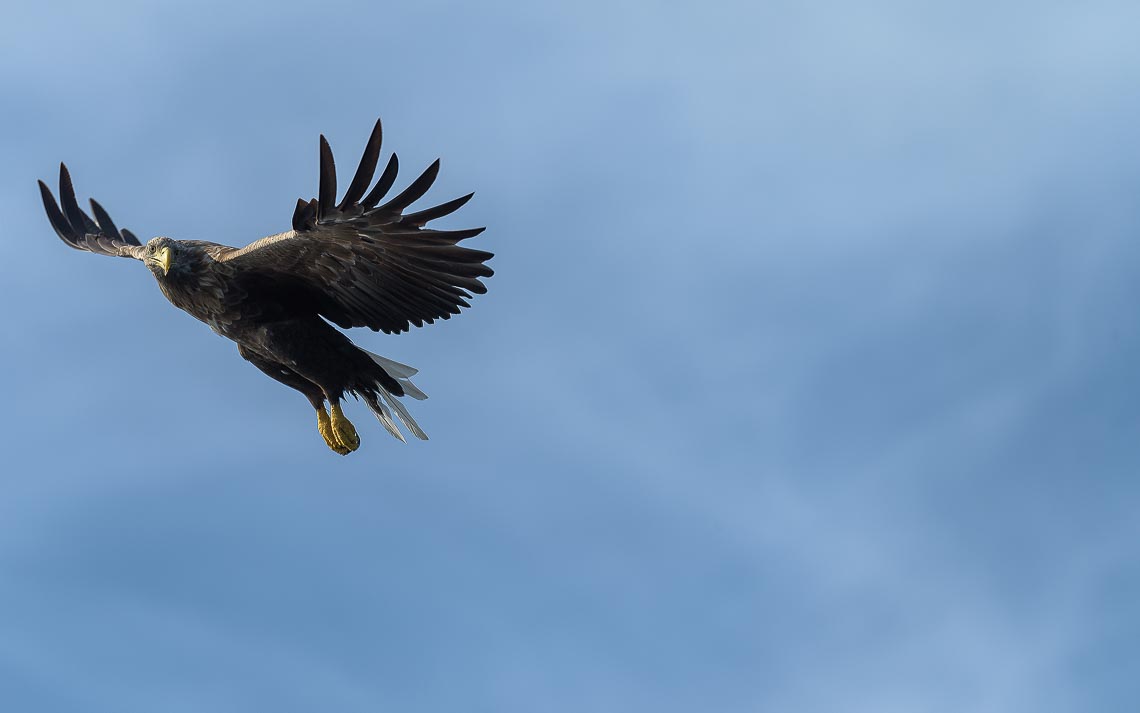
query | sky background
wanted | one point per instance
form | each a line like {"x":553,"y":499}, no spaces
{"x":807,"y":380}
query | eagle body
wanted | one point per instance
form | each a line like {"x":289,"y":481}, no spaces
{"x":358,"y":263}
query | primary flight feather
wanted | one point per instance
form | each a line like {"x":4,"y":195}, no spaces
{"x":357,"y":263}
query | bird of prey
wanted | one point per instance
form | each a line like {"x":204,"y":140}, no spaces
{"x":356,"y":263}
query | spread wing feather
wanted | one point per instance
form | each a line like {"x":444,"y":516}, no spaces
{"x":369,"y":265}
{"x":79,"y":230}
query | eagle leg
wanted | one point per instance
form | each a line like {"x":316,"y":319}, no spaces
{"x":342,"y":429}
{"x":312,"y":392}
{"x":325,"y":427}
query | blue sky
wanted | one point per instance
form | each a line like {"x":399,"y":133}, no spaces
{"x":806,"y":382}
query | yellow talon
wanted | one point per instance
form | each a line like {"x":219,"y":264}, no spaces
{"x":343,"y":430}
{"x":325,"y":427}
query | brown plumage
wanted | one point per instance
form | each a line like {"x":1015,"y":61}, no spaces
{"x":358,"y":263}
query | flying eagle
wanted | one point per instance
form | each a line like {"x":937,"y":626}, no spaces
{"x":357,"y":263}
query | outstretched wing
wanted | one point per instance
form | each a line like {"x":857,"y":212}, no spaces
{"x":362,"y":264}
{"x":79,"y":230}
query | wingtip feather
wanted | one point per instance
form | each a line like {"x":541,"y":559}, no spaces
{"x":384,"y":184}
{"x":326,"y":195}
{"x":366,"y":169}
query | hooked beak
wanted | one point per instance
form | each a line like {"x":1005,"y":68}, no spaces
{"x":162,"y":259}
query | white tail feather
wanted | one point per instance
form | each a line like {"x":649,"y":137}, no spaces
{"x":404,"y":416}
{"x":383,"y":416}
{"x":395,"y":368}
{"x":411,"y":390}
{"x":402,"y":373}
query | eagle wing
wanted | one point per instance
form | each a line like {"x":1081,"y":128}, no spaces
{"x":361,"y":263}
{"x":79,"y":230}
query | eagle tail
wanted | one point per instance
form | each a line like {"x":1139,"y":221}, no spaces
{"x":382,"y":414}
{"x":388,"y":405}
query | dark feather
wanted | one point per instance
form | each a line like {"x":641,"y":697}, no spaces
{"x":56,"y":218}
{"x":384,"y":184}
{"x":105,"y":223}
{"x":326,"y":196}
{"x":420,"y":218}
{"x":305,"y":215}
{"x":365,"y":170}
{"x":71,"y":209}
{"x":79,"y":230}
{"x":415,"y":191}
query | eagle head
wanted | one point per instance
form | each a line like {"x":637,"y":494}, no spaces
{"x":165,"y":257}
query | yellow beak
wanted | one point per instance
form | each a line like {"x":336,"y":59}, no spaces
{"x":163,"y":260}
